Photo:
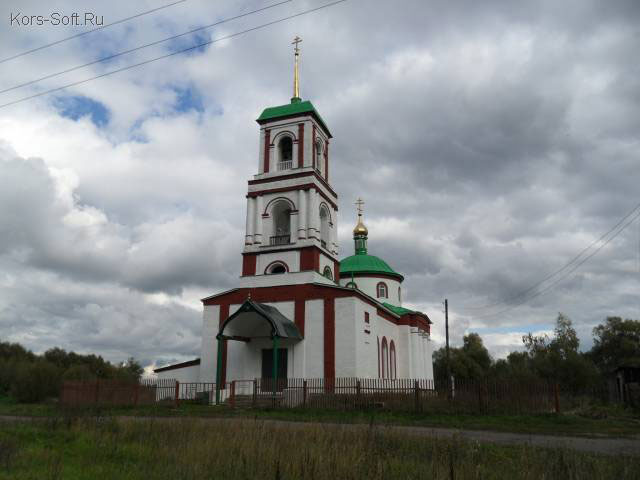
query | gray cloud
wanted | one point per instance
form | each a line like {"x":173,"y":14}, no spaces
{"x":491,"y":141}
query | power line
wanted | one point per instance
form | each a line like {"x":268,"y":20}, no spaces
{"x":124,"y":52}
{"x":553,"y":274}
{"x":549,"y":287}
{"x":122,"y":20}
{"x":226,"y":37}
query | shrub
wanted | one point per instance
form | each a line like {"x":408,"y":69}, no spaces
{"x":78,"y":372}
{"x":35,"y":381}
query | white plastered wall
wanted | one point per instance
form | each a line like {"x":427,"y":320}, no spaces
{"x":388,"y":330}
{"x":291,"y":258}
{"x":326,"y":261}
{"x":189,"y":374}
{"x":345,"y":337}
{"x":369,"y":285}
{"x":209,"y":349}
{"x":365,"y":346}
{"x":314,"y":339}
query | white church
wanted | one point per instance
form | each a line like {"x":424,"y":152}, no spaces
{"x":298,"y":311}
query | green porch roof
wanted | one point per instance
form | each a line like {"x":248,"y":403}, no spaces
{"x":363,"y":263}
{"x":294,"y":108}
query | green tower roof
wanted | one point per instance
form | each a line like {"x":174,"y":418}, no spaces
{"x":364,"y":263}
{"x":296,"y":107}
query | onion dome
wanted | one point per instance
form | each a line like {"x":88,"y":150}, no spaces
{"x":362,"y":263}
{"x":360,"y":228}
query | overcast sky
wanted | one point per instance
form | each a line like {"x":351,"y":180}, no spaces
{"x":491,"y":141}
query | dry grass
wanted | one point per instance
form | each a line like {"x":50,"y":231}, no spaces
{"x":93,"y":448}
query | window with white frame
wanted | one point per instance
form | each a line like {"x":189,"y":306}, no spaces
{"x":382,"y":291}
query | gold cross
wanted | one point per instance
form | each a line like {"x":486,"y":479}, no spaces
{"x":359,"y":203}
{"x":295,"y":42}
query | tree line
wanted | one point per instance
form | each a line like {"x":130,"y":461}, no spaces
{"x":557,"y":358}
{"x":29,"y":377}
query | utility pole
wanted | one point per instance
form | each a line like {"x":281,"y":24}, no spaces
{"x":446,"y":326}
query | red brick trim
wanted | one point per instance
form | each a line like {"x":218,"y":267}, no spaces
{"x":336,"y":270}
{"x":224,"y":314}
{"x":299,"y":315}
{"x":292,"y":188}
{"x":289,"y":176}
{"x":420,"y":321}
{"x":329,"y":338}
{"x":310,"y":259}
{"x":386,"y":316}
{"x":249,"y":262}
{"x":267,"y":142}
{"x":300,"y":145}
{"x":305,"y":291}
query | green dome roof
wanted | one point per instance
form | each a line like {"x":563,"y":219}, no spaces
{"x":296,"y":107}
{"x":363,"y":263}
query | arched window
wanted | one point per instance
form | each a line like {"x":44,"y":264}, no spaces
{"x":319,"y":160}
{"x":351,"y":284}
{"x":324,"y":226}
{"x":327,"y":272}
{"x":378,"y":343}
{"x":285,"y":153}
{"x":385,"y":358}
{"x":399,"y":295}
{"x":276,"y":268}
{"x":382,"y":291}
{"x":392,"y":360}
{"x":281,"y":214}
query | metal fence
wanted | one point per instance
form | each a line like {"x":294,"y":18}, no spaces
{"x":107,"y":392}
{"x":419,"y":395}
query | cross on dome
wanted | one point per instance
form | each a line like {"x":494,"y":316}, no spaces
{"x":360,"y":230}
{"x":296,"y":78}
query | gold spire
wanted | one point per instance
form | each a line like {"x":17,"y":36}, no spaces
{"x":360,"y":228}
{"x":296,"y":78}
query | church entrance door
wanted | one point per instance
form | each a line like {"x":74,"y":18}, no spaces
{"x":267,"y":368}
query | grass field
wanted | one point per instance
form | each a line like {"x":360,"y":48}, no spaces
{"x":612,"y":422}
{"x":108,"y":448}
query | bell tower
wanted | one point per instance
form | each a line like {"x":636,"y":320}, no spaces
{"x":291,"y":228}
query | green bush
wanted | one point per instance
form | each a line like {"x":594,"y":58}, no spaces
{"x":36,"y":381}
{"x":78,"y":372}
